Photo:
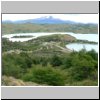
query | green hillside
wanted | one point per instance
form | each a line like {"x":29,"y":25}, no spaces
{"x":31,"y":28}
{"x":46,"y":61}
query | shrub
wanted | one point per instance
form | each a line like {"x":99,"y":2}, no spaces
{"x":93,"y":54}
{"x":81,"y":65}
{"x":12,"y":70}
{"x":55,"y":61}
{"x":46,"y":75}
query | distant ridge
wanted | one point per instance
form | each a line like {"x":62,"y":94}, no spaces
{"x":45,"y":20}
{"x":42,"y":20}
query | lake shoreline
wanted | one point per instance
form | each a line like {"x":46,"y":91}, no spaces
{"x":83,"y":39}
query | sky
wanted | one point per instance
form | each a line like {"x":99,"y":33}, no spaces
{"x":83,"y":18}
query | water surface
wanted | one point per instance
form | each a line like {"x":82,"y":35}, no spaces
{"x":79,"y":46}
{"x":89,"y":37}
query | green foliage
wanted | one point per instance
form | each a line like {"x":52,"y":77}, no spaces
{"x":78,"y":66}
{"x":93,"y":54}
{"x":27,"y":61}
{"x":11,"y":70}
{"x":55,"y":61}
{"x":22,"y":36}
{"x":57,"y":38}
{"x":16,"y":65}
{"x":67,"y":62}
{"x":46,"y":75}
{"x":82,"y":66}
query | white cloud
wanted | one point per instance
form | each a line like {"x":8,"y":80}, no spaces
{"x":84,"y":18}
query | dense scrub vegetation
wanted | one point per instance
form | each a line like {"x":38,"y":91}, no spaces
{"x":8,"y":28}
{"x":68,"y":69}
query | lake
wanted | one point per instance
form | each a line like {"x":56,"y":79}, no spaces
{"x":72,"y":46}
{"x":89,"y":37}
{"x":79,"y":46}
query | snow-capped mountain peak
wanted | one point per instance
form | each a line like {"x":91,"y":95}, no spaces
{"x":44,"y":20}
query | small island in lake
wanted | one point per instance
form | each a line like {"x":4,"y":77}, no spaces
{"x":23,"y":36}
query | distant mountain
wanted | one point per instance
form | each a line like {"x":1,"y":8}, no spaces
{"x":45,"y":20}
{"x":7,"y":21}
{"x":42,"y":20}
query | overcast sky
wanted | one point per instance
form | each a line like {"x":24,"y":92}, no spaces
{"x":84,"y":18}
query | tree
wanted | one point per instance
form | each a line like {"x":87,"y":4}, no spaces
{"x":46,"y":75}
{"x":93,"y":54}
{"x":55,"y":61}
{"x":67,"y":62}
{"x":82,"y":66}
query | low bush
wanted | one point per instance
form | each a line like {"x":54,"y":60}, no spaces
{"x":46,"y":75}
